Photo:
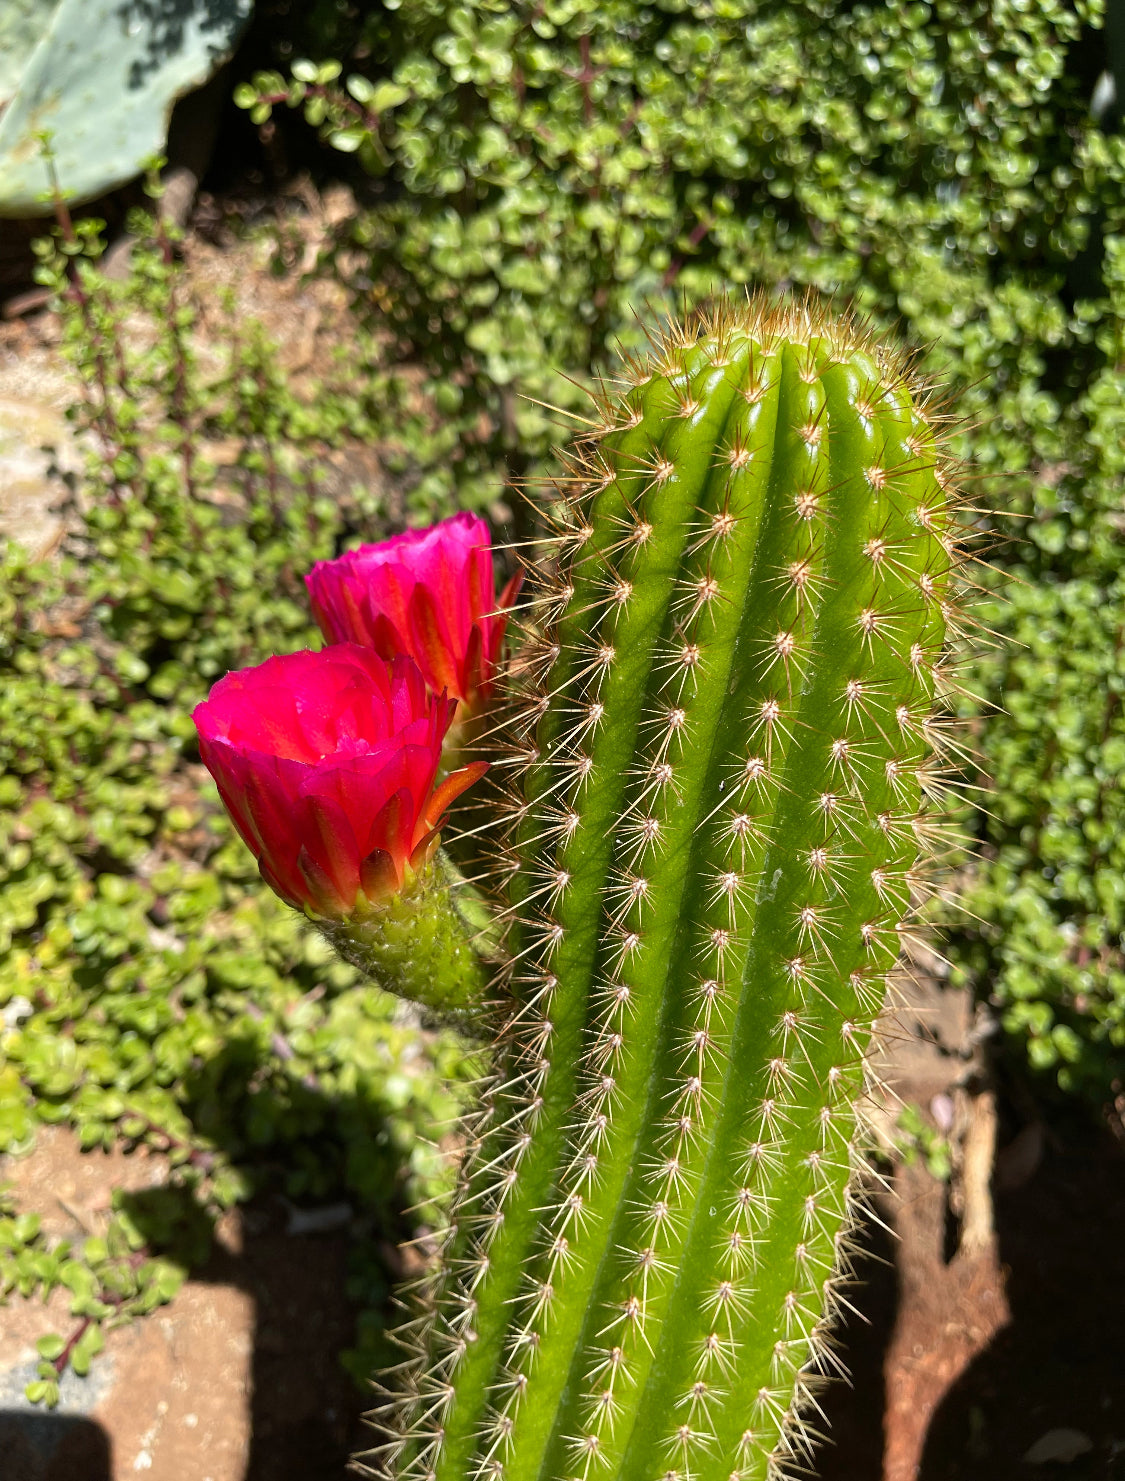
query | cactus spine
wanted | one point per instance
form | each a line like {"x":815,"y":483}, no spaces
{"x":728,"y":740}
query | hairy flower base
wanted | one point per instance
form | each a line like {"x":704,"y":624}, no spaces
{"x":416,"y":943}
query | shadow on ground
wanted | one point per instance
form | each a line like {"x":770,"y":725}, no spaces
{"x":53,"y":1447}
{"x":1058,"y":1367}
{"x":309,"y":1271}
{"x":1055,"y":1374}
{"x":304,"y":1408}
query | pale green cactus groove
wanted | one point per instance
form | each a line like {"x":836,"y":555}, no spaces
{"x":728,"y":739}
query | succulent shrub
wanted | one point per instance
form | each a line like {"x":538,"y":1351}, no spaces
{"x":541,"y":175}
{"x":152,"y":990}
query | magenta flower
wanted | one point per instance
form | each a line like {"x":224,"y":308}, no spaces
{"x":428,"y":593}
{"x":327,"y":763}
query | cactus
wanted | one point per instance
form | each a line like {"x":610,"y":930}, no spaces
{"x":727,"y":735}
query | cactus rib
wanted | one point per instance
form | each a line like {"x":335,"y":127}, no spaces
{"x":725,"y":766}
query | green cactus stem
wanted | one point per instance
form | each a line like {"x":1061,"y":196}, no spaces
{"x":725,"y":771}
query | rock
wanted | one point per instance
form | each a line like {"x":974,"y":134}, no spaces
{"x":1059,"y":1445}
{"x":169,"y":1398}
{"x":237,"y":1379}
{"x":53,"y":1447}
{"x":137,"y":1412}
{"x":37,"y":446}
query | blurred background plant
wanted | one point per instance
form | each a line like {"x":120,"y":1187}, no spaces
{"x":152,"y":991}
{"x":528,"y":181}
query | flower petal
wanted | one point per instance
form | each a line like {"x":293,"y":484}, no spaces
{"x":327,"y":763}
{"x":451,"y":788}
{"x":429,"y":594}
{"x":432,"y":645}
{"x":378,"y":875}
{"x":323,"y":893}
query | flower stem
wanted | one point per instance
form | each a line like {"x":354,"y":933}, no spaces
{"x":429,"y":943}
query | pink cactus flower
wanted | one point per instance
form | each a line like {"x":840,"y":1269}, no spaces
{"x":327,"y":763}
{"x":428,"y":593}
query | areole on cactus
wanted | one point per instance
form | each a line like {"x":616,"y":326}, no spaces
{"x":723,"y":716}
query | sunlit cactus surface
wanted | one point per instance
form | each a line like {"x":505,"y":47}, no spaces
{"x":723,"y":740}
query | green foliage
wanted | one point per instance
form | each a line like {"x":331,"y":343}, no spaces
{"x":917,"y":1138}
{"x":541,"y":174}
{"x":151,"y":989}
{"x":556,"y":170}
{"x":1051,"y":892}
{"x":113,"y":1278}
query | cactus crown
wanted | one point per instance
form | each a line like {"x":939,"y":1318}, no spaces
{"x":727,"y":737}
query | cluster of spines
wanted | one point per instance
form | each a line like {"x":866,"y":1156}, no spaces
{"x":554,"y":1245}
